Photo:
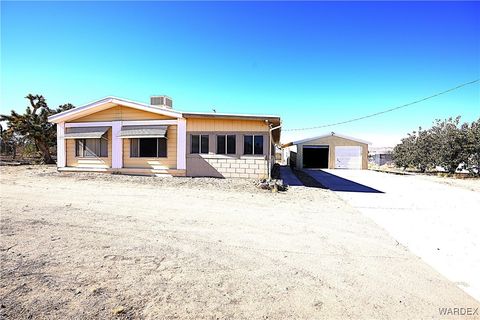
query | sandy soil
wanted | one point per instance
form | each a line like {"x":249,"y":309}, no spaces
{"x":105,"y":246}
{"x":469,"y":183}
{"x":472,"y":184}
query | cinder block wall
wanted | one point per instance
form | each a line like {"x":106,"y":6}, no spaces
{"x":228,"y":168}
{"x":240,"y":168}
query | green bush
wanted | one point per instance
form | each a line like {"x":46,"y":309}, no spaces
{"x":447,"y":143}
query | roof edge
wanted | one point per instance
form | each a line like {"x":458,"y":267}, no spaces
{"x":188,"y":114}
{"x":56,"y":118}
{"x":327,"y":135}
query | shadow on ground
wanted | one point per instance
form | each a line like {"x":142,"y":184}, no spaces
{"x":298,"y":178}
{"x":336,"y":183}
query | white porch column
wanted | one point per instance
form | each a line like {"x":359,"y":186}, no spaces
{"x":61,"y":156}
{"x":117,"y":145}
{"x":181,"y":144}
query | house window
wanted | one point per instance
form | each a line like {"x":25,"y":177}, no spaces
{"x":226,"y":144}
{"x":253,"y":144}
{"x":199,"y":143}
{"x":148,"y":148}
{"x":91,"y":148}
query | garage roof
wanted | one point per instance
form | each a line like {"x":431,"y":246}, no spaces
{"x":325,"y":136}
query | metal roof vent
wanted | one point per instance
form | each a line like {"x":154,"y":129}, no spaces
{"x":162,"y":101}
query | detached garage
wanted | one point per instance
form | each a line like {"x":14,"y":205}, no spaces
{"x":330,"y":151}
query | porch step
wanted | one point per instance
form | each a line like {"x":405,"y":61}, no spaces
{"x":132,"y":171}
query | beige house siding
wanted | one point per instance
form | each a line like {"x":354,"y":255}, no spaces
{"x":332,"y":142}
{"x":101,"y":163}
{"x":228,"y":125}
{"x":170,"y":162}
{"x":121,"y":113}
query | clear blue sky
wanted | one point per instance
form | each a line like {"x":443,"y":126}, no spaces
{"x":312,"y":63}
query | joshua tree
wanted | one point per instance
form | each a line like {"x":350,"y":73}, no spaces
{"x":33,"y":124}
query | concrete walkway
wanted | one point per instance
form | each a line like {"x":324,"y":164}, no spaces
{"x":289,"y":177}
{"x":437,"y":222}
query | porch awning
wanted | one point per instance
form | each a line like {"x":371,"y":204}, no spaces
{"x":143,"y":132}
{"x":85,"y":132}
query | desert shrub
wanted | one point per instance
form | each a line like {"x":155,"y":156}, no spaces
{"x":448,"y":143}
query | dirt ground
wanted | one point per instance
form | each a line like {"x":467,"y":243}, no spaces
{"x":106,"y":246}
{"x":472,"y":184}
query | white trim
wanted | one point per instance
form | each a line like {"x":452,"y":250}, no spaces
{"x":125,"y":123}
{"x":70,"y":114}
{"x":142,"y":137}
{"x":253,"y":157}
{"x":329,"y":135}
{"x":149,"y":122}
{"x":61,"y":156}
{"x":181,"y":144}
{"x":240,"y":115}
{"x":117,"y":145}
{"x":88,"y":124}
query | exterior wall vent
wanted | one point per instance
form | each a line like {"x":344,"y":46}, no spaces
{"x":162,"y":101}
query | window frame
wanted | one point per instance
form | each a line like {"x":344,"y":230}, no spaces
{"x":200,"y":149}
{"x":157,"y":153}
{"x":253,"y":145}
{"x":225,"y":136}
{"x":96,"y":154}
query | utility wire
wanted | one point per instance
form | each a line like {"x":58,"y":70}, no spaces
{"x":388,"y":110}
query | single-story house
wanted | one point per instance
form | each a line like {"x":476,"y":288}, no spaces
{"x":329,"y":151}
{"x":122,"y":136}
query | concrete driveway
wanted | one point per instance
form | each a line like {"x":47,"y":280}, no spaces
{"x":438,"y":222}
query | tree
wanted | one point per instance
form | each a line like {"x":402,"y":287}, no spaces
{"x":447,"y":143}
{"x":421,"y":151}
{"x":9,"y":142}
{"x":414,"y":151}
{"x":34,"y":125}
{"x":402,"y":153}
{"x":451,"y":147}
{"x":473,"y":142}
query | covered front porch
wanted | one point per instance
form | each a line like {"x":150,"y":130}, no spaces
{"x":137,"y":147}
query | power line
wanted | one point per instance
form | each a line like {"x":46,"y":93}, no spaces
{"x":388,"y":110}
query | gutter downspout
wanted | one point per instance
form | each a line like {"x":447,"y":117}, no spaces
{"x":270,"y":151}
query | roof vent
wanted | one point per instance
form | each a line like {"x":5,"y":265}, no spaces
{"x":162,"y":101}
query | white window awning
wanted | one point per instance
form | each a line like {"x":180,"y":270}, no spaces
{"x":143,"y":132}
{"x":85,"y":132}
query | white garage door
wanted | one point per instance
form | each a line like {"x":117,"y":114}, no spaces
{"x":348,"y":157}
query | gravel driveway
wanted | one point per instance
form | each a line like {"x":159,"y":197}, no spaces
{"x":435,"y":219}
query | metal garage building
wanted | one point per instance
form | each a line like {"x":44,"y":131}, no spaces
{"x":330,"y":151}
